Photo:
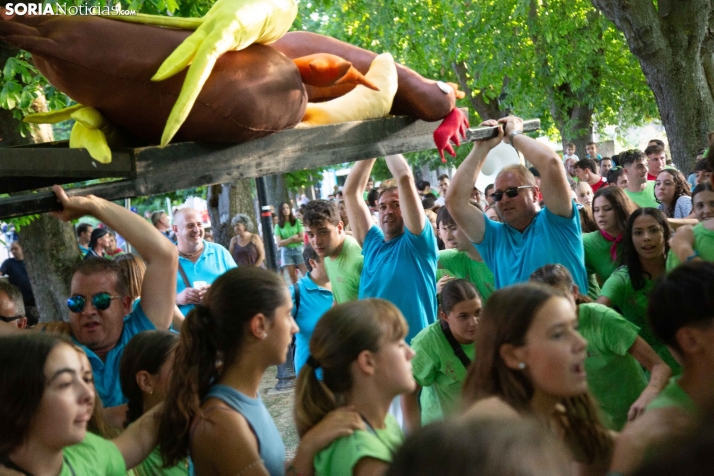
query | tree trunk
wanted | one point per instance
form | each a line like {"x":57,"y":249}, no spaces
{"x":485,"y":109}
{"x":277,"y":190}
{"x":226,"y":201}
{"x":674,"y":47}
{"x":51,"y":252}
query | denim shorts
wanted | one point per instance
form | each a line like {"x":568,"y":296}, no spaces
{"x":292,"y":256}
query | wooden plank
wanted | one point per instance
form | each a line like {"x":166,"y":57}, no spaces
{"x":184,"y":165}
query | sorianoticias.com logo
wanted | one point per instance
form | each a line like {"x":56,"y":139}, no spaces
{"x":64,"y":9}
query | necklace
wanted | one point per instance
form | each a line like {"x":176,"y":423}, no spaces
{"x":191,"y":255}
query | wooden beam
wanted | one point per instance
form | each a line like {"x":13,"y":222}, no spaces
{"x":189,"y":164}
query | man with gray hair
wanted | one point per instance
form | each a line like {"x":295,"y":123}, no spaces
{"x":160,"y":220}
{"x":200,"y":262}
{"x":12,"y":308}
{"x":528,"y":238}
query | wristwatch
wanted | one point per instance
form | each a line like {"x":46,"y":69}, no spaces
{"x":513,"y":134}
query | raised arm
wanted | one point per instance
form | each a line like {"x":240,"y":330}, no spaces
{"x":554,"y":184}
{"x":412,"y":209}
{"x":469,"y":218}
{"x":357,"y":211}
{"x":158,"y":291}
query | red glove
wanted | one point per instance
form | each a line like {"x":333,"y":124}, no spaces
{"x":453,"y":126}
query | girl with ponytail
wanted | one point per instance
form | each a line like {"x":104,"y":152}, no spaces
{"x":213,"y":410}
{"x":364,"y":361}
{"x":144,"y":373}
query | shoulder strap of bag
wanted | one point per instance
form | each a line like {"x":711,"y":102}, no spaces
{"x":181,"y":271}
{"x":455,"y":346}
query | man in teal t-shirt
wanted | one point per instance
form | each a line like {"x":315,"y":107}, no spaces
{"x":400,"y":255}
{"x":639,"y":189}
{"x":341,"y":253}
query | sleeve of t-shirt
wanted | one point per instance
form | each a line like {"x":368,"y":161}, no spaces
{"x":569,"y":225}
{"x":491,"y":237}
{"x":277,"y":233}
{"x":615,"y":287}
{"x":618,"y":334}
{"x":137,"y":321}
{"x":425,"y":363}
{"x":672,"y":261}
{"x":425,"y":242}
{"x":300,"y":228}
{"x":373,"y":237}
{"x":452,"y":262}
{"x":348,"y":451}
{"x":683,"y":207}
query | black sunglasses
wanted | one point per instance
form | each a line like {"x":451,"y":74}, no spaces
{"x":100,"y":301}
{"x":10,"y":319}
{"x":511,"y":192}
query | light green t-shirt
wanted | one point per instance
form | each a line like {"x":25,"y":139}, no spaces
{"x":646,"y":197}
{"x":152,"y":466}
{"x":615,"y":378}
{"x":633,"y":304}
{"x":289,"y":230}
{"x":344,"y":271}
{"x":703,"y":244}
{"x":439,"y":371}
{"x":95,"y":456}
{"x":597,"y":255}
{"x":674,"y":396}
{"x":343,"y":454}
{"x":459,"y":265}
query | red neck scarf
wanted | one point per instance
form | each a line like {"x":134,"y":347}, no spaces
{"x":614,"y":241}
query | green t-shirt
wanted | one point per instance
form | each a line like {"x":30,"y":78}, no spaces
{"x":674,"y":396}
{"x":459,"y":265}
{"x":289,"y":230}
{"x":152,"y":466}
{"x":615,"y":378}
{"x":95,"y":456}
{"x":439,"y":371}
{"x":703,"y":244}
{"x":344,"y":271}
{"x":343,"y":454}
{"x":646,"y":197}
{"x":597,"y":255}
{"x":633,"y":304}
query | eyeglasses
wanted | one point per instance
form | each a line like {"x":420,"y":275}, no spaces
{"x":10,"y":319}
{"x":100,"y":301}
{"x":511,"y":192}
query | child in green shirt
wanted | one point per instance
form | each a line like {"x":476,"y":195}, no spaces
{"x":364,"y":361}
{"x":701,"y":244}
{"x":439,"y":367}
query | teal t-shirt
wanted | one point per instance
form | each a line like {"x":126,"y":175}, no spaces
{"x":153,"y":466}
{"x":340,"y":458}
{"x":633,"y":304}
{"x":674,"y":396}
{"x":615,"y":378}
{"x":703,"y":245}
{"x":289,"y":230}
{"x":439,"y":371}
{"x":94,"y":455}
{"x":645,"y":198}
{"x":402,"y":271}
{"x":345,"y":270}
{"x":458,"y":264}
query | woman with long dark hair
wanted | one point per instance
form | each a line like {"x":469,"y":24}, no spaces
{"x":644,"y":254}
{"x":145,"y":370}
{"x":289,"y":233}
{"x":47,"y":403}
{"x":531,"y":362}
{"x":213,"y":409}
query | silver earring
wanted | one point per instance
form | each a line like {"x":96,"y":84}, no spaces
{"x":265,"y":334}
{"x":522,"y":365}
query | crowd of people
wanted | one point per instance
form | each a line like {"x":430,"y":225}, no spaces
{"x":559,"y":322}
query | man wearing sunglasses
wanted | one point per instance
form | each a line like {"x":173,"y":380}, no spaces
{"x":529,"y":237}
{"x":12,"y":308}
{"x":101,"y":317}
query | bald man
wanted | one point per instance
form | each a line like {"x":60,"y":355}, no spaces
{"x":200,"y":261}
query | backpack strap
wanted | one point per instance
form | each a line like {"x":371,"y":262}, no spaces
{"x":455,"y":346}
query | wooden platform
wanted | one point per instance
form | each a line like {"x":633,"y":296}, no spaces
{"x":153,"y":170}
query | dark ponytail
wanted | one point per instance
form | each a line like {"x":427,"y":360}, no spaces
{"x":212,"y":336}
{"x":146,"y":351}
